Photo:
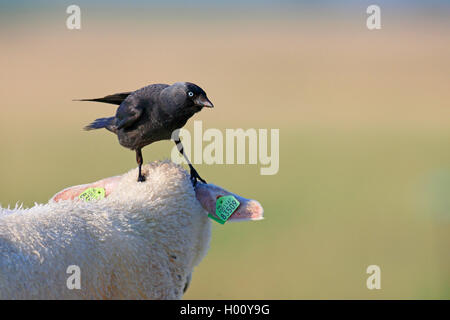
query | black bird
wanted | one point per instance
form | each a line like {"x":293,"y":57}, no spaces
{"x":152,"y":114}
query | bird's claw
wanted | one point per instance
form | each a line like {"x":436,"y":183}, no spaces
{"x":141,"y":178}
{"x":195,"y":177}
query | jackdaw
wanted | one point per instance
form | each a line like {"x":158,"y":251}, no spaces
{"x":152,"y":114}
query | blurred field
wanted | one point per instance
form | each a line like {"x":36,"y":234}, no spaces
{"x":364,"y":121}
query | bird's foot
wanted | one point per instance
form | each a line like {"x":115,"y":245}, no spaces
{"x":141,"y":178}
{"x":195,"y":177}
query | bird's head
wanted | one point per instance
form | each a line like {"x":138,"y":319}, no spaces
{"x":196,"y":97}
{"x":187,"y":96}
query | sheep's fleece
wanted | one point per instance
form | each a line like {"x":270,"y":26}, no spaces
{"x":140,"y":242}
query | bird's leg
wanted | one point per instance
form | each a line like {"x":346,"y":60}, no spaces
{"x":194,"y":174}
{"x":139,"y":161}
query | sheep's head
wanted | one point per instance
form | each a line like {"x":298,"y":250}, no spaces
{"x":165,"y":179}
{"x":171,"y":214}
{"x":135,"y":240}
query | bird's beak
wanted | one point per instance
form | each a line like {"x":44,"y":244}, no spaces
{"x":203,"y":102}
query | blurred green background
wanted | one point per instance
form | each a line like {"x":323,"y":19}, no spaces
{"x":364,"y":119}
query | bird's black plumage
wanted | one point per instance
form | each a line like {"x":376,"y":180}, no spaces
{"x":116,"y":98}
{"x":152,"y":114}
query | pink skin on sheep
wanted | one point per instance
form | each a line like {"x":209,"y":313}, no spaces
{"x":248,"y":209}
{"x":206,"y":194}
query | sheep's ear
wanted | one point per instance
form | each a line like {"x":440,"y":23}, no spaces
{"x":207,"y":195}
{"x":73,"y":193}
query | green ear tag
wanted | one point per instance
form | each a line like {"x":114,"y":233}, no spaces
{"x":92,"y":194}
{"x":225,"y":207}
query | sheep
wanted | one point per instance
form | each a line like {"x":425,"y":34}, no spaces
{"x":141,"y":241}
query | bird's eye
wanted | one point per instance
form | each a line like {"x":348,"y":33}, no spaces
{"x":190,"y":94}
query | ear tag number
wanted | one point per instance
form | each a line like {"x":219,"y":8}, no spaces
{"x":225,"y":207}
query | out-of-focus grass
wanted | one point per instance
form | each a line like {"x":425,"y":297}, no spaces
{"x":341,"y":202}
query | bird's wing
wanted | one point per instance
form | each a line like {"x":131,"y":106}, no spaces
{"x":129,"y":112}
{"x":116,"y":98}
{"x":131,"y":109}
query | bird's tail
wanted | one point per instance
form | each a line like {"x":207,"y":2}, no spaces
{"x":101,"y":123}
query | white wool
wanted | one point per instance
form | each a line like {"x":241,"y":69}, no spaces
{"x":141,"y":242}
